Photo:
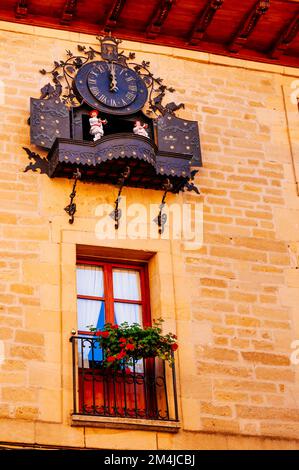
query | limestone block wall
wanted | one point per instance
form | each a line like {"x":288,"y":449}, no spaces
{"x":233,"y":302}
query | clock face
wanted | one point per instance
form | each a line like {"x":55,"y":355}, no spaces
{"x":111,"y":88}
{"x":112,"y":85}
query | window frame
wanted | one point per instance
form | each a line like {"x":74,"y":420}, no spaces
{"x":108,"y":297}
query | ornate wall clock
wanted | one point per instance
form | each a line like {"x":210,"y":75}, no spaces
{"x":110,"y":88}
{"x":158,"y":147}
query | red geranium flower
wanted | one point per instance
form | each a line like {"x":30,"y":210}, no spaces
{"x":174,"y":347}
{"x":111,"y":359}
{"x":130,"y":347}
{"x":121,"y":355}
{"x":114,"y":327}
{"x":104,"y":334}
{"x":122,"y":340}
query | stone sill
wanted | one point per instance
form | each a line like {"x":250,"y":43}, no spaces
{"x":125,"y":423}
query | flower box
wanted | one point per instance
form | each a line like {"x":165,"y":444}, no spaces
{"x":124,"y":345}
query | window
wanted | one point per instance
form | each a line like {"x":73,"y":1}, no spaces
{"x":110,"y":292}
{"x":115,"y":292}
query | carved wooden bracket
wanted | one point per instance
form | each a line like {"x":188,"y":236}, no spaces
{"x":248,"y":25}
{"x":159,"y":18}
{"x":68,"y":11}
{"x":286,"y":38}
{"x":204,"y":20}
{"x":22,"y":9}
{"x":114,"y":14}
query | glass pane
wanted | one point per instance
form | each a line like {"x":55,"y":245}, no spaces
{"x":90,"y":313}
{"x":126,"y":284}
{"x":89,"y":353}
{"x":130,"y":313}
{"x":90,"y":281}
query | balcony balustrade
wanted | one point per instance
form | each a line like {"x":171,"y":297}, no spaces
{"x":144,"y":390}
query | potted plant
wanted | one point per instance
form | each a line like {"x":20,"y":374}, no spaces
{"x":125,"y":344}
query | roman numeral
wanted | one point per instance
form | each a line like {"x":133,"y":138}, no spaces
{"x":112,"y":102}
{"x":130,"y":96}
{"x":130,"y":79}
{"x":124,"y":102}
{"x":93,"y":81}
{"x":95,"y":91}
{"x":132,"y":87}
{"x":103,"y":98}
{"x":101,"y":68}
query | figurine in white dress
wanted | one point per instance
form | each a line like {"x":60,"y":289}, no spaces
{"x":96,"y":125}
{"x":140,"y":129}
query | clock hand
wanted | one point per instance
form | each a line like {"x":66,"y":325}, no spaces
{"x":112,"y":76}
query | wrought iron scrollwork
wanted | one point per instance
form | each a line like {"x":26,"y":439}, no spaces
{"x":191,"y":187}
{"x":37,"y":163}
{"x":64,"y":71}
{"x":72,"y":208}
{"x":49,"y":91}
{"x":116,"y":214}
{"x":161,"y":219}
{"x":188,"y":184}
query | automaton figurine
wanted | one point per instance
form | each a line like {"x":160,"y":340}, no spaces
{"x":96,"y":125}
{"x":140,"y":129}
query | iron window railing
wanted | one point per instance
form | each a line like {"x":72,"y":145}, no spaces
{"x":145,"y":390}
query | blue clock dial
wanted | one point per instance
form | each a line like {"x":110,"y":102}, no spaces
{"x":111,"y":88}
{"x":112,"y":85}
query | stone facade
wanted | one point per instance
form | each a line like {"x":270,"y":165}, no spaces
{"x":233,"y":302}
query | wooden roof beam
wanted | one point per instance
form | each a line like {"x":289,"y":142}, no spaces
{"x":114,"y":14}
{"x":69,"y":11}
{"x":204,"y":20}
{"x":158,"y":19}
{"x":21,"y":9}
{"x":248,"y":25}
{"x":288,"y":35}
